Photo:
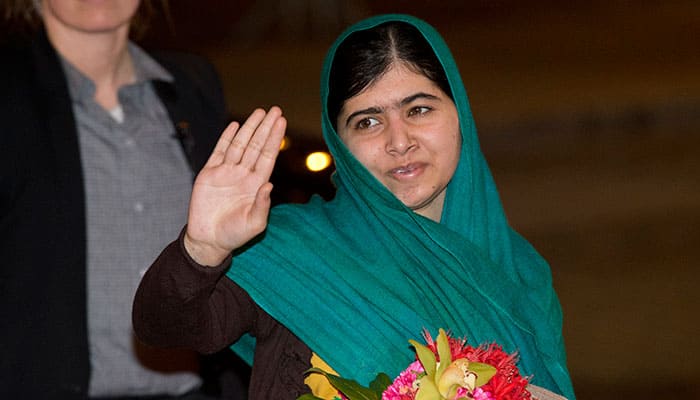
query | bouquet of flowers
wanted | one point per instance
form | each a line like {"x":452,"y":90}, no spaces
{"x":446,"y":369}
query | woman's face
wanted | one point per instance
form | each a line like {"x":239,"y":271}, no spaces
{"x":89,"y":16}
{"x":405,"y":130}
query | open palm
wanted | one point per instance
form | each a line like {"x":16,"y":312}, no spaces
{"x":230,"y":200}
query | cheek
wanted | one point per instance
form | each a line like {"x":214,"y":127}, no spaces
{"x":367,"y":153}
{"x":449,"y":150}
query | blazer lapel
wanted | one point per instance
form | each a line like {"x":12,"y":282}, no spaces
{"x":55,"y":105}
{"x":178,"y":115}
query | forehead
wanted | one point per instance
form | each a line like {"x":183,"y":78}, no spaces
{"x":397,"y":83}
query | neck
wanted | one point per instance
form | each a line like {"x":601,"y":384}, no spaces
{"x":103,"y":57}
{"x":433,"y":208}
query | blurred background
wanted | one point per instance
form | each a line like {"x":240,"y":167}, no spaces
{"x":589,"y":115}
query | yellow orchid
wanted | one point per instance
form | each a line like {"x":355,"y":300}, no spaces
{"x":443,"y":379}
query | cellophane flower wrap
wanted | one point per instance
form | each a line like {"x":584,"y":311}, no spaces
{"x":446,"y":369}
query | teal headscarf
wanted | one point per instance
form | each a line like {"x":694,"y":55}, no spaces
{"x":356,"y":277}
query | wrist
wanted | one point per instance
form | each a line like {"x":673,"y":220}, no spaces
{"x":203,"y":253}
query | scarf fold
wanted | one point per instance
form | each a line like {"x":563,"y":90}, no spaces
{"x":356,"y":277}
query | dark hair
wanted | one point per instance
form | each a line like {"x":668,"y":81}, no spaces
{"x":21,"y":15}
{"x":364,"y":56}
{"x":24,"y":17}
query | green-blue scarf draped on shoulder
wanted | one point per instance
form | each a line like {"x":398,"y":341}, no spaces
{"x":356,"y":277}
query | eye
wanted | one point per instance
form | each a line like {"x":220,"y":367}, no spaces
{"x":366,"y":123}
{"x":418,"y":110}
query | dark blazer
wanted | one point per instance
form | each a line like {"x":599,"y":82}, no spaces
{"x":43,"y":328}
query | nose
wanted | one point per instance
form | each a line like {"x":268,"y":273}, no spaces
{"x":400,"y":139}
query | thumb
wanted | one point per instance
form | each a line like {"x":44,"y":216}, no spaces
{"x":261,"y":207}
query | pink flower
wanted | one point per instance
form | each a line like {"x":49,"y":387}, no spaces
{"x":480,"y":394}
{"x":404,"y":386}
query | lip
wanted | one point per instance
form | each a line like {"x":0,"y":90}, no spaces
{"x":408,"y":171}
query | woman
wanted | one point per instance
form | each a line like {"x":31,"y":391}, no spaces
{"x":86,"y":115}
{"x":415,"y":237}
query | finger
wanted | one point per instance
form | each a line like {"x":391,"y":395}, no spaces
{"x":239,"y":144}
{"x":261,"y":207}
{"x":260,"y":137}
{"x":219,"y":152}
{"x":268,"y":154}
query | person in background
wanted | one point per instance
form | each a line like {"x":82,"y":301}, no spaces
{"x":99,"y":145}
{"x":415,"y":237}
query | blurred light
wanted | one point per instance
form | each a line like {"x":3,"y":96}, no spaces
{"x":318,"y":161}
{"x":286,"y":142}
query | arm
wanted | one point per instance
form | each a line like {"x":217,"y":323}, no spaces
{"x":180,"y":303}
{"x":183,"y":300}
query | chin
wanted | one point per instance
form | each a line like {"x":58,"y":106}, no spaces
{"x":428,"y":205}
{"x":415,"y":205}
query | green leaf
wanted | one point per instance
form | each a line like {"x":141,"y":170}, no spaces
{"x":380,"y":383}
{"x":350,"y":388}
{"x":426,"y":357}
{"x":484,"y":372}
{"x":443,"y":347}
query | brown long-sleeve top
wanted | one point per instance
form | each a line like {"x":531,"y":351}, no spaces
{"x":180,"y":303}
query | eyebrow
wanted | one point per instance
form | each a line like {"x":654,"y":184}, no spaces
{"x":379,"y":110}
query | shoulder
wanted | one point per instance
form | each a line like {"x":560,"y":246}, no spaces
{"x":182,"y":61}
{"x":17,"y":64}
{"x":196,"y":83}
{"x":22,"y":89}
{"x":189,"y":69}
{"x":30,"y":68}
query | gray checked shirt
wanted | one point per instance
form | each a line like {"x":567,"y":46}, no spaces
{"x":137,"y":185}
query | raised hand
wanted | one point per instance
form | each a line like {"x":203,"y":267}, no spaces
{"x":230,"y":200}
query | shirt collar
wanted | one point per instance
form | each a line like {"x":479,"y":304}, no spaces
{"x":82,"y":88}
